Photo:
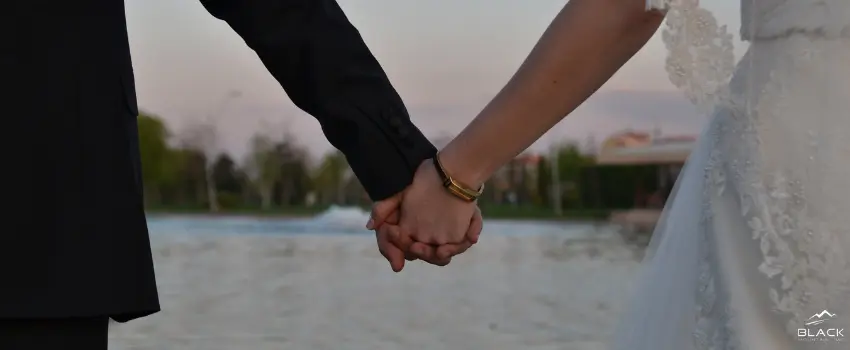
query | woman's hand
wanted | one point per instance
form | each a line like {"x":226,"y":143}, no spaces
{"x":432,"y":215}
{"x":396,"y":244}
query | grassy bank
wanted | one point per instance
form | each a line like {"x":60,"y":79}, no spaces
{"x":489,"y":211}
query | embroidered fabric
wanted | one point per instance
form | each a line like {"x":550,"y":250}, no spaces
{"x":777,"y":152}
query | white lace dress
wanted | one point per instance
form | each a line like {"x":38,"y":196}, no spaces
{"x":754,"y":246}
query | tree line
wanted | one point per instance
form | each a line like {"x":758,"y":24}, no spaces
{"x":186,"y":170}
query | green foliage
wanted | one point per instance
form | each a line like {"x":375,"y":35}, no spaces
{"x":571,"y":161}
{"x":544,"y":182}
{"x":153,"y":139}
{"x":275,"y":178}
{"x":329,"y":179}
{"x":230,"y":200}
{"x":156,"y":156}
{"x":615,"y":187}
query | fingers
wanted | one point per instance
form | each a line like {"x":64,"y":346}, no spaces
{"x":422,"y":250}
{"x":397,"y":247}
{"x":475,"y":226}
{"x":404,"y":242}
{"x":393,"y":218}
{"x":447,"y":251}
{"x":382,"y":210}
{"x":413,"y":250}
{"x":428,"y":253}
{"x":393,"y":254}
{"x":441,"y":254}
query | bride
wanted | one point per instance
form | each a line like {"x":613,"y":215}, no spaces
{"x":752,"y":252}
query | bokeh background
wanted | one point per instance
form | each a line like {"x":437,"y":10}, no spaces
{"x":257,"y":222}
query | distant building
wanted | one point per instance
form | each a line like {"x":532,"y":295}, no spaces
{"x":674,"y":139}
{"x":634,"y":148}
{"x":626,"y":139}
{"x":667,"y":153}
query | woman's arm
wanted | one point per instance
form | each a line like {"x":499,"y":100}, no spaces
{"x":584,"y":46}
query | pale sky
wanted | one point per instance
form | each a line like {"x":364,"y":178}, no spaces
{"x":446,"y":58}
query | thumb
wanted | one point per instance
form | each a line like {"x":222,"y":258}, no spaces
{"x":382,"y":210}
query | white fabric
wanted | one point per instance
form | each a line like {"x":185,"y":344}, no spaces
{"x":756,"y":238}
{"x":772,"y":18}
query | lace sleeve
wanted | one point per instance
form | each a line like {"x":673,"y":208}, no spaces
{"x":701,"y":57}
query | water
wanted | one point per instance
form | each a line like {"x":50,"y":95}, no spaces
{"x":313,"y":284}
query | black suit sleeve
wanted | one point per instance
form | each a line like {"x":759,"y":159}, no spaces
{"x":321,"y":61}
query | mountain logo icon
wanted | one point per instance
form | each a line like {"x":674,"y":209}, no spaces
{"x":819,"y":318}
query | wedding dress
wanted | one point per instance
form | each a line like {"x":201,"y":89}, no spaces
{"x":753,"y":249}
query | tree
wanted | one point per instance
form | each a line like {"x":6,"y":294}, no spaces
{"x":264,"y":167}
{"x":227,"y":176}
{"x":329,"y":178}
{"x":294,"y":180}
{"x":544,"y":182}
{"x":189,"y":185}
{"x":571,"y":161}
{"x":229,"y":181}
{"x":155,"y":155}
{"x":203,"y":137}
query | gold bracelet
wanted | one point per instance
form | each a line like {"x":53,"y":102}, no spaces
{"x":455,"y":188}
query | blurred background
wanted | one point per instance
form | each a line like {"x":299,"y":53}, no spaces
{"x":257,"y":222}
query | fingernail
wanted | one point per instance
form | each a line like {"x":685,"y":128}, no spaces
{"x":370,"y":224}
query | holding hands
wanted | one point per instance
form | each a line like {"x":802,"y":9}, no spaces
{"x":425,"y":221}
{"x":437,"y":217}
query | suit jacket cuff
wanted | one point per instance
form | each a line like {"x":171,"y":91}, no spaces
{"x":383,"y":148}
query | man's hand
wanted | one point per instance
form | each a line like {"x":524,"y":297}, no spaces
{"x":397,"y":246}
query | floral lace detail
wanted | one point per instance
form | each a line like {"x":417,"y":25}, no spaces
{"x":800,"y":243}
{"x":801,"y":246}
{"x":701,"y":58}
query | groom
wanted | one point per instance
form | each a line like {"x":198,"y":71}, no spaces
{"x":75,"y":249}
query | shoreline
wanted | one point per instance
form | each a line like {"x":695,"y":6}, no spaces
{"x":226,"y":214}
{"x":295,"y":216}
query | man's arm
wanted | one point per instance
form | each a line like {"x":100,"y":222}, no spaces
{"x":321,"y":61}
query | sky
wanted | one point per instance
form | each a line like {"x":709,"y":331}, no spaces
{"x":446,"y":58}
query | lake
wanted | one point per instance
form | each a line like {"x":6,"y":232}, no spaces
{"x":240,"y":283}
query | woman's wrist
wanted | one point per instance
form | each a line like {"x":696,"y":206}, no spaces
{"x":462,"y":169}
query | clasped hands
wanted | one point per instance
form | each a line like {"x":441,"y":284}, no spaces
{"x":424,"y":222}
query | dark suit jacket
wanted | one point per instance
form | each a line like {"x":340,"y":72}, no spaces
{"x":74,"y":240}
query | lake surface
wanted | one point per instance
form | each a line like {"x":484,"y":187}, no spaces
{"x":320,"y":283}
